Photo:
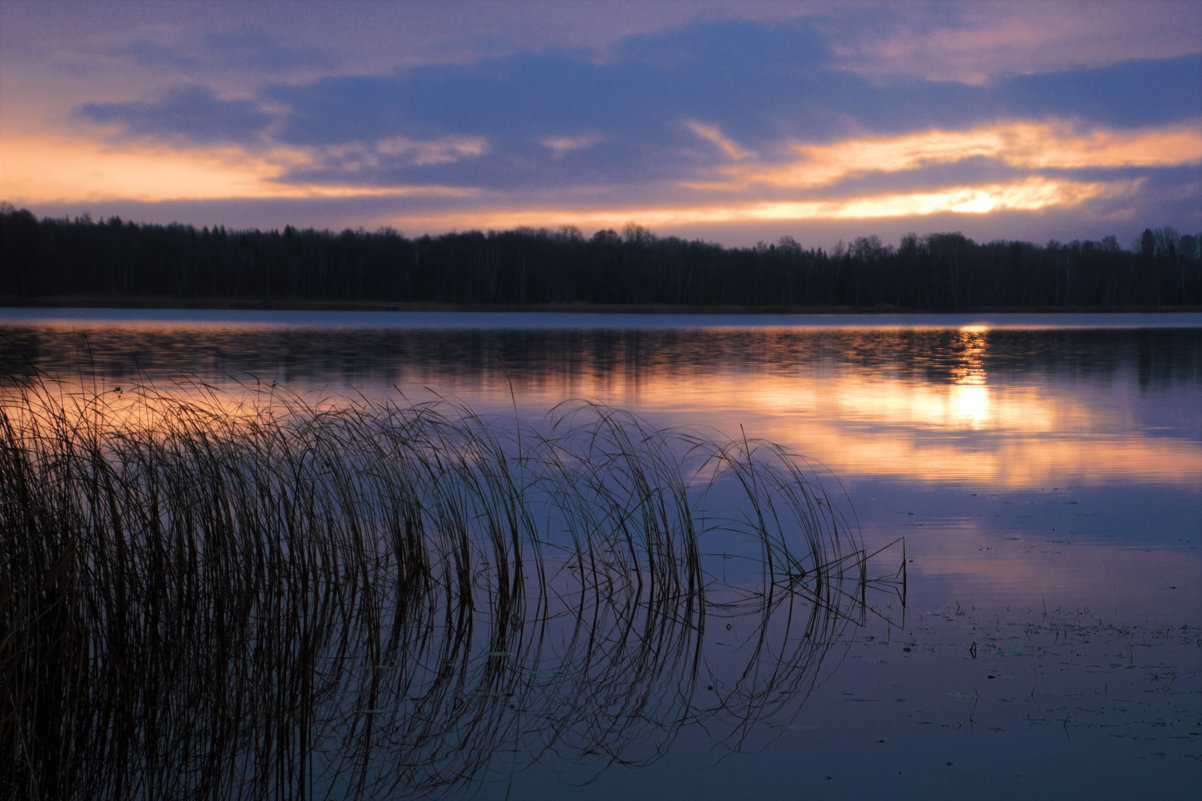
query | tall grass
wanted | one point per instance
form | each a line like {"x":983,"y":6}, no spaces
{"x":257,"y":596}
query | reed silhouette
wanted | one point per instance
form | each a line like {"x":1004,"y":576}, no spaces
{"x":259,"y":596}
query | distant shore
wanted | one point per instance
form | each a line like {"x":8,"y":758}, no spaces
{"x":299,"y":304}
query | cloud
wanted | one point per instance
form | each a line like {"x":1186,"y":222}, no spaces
{"x":1130,"y":94}
{"x":713,"y":135}
{"x":561,"y":145}
{"x":188,"y":113}
{"x":758,"y":121}
{"x":985,"y":41}
{"x":54,"y":171}
{"x":1027,"y":145}
{"x":400,"y":150}
{"x":1027,"y":195}
{"x":660,"y":80}
{"x":663,"y":106}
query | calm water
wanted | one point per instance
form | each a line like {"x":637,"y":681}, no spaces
{"x":1045,"y":472}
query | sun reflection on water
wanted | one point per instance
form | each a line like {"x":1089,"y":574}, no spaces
{"x":963,"y":404}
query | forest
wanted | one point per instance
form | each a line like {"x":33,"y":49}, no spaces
{"x":81,"y":260}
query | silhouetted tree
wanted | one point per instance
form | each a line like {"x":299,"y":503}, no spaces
{"x":115,"y":259}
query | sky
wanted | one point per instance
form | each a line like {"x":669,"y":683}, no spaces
{"x":731,"y":122}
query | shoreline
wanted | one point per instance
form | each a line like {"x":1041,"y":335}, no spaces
{"x":298,"y":304}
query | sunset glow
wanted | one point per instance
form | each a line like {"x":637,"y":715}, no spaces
{"x":1022,"y":121}
{"x":525,"y":398}
{"x":49,"y":171}
{"x":1025,"y":145}
{"x":1028,"y":195}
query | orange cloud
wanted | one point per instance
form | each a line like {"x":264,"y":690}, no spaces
{"x":44,"y":170}
{"x":1031,"y":194}
{"x":715,"y":137}
{"x":1023,"y":145}
{"x":559,"y":145}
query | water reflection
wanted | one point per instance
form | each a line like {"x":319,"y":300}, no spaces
{"x":369,"y":600}
{"x":966,"y":404}
{"x":1037,"y":475}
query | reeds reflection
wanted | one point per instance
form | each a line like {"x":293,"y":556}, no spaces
{"x":962,"y":403}
{"x":267,"y":598}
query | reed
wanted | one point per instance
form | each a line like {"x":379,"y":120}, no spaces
{"x":261,"y":596}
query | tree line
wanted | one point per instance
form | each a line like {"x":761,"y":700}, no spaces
{"x":115,"y":259}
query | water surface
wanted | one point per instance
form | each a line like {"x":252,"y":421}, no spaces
{"x":1045,"y":471}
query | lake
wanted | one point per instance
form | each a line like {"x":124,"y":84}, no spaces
{"x":1030,"y":488}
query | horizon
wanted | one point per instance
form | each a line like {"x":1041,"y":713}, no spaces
{"x":729,"y":123}
{"x":625,"y":233}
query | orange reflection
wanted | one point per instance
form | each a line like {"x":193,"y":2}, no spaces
{"x":881,"y":405}
{"x":964,"y":427}
{"x":164,"y":407}
{"x":867,"y":425}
